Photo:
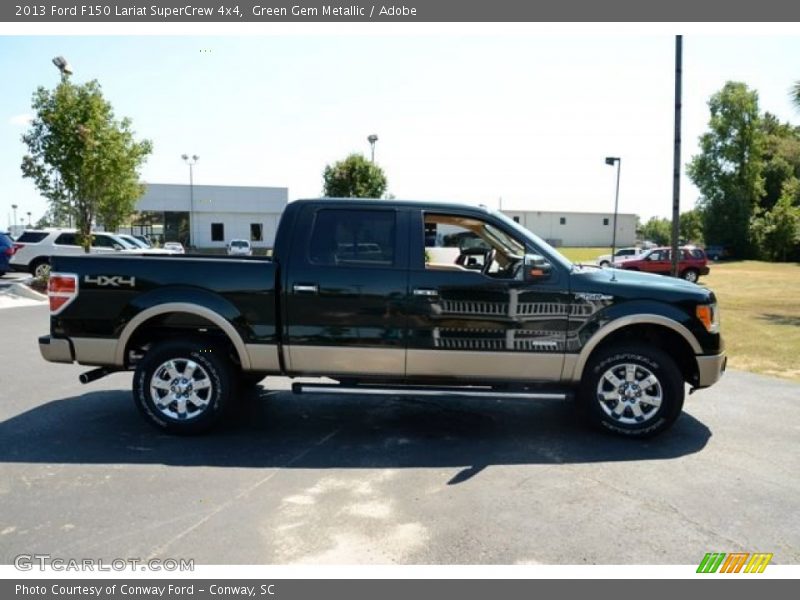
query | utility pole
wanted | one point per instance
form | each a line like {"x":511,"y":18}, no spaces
{"x":372,"y":138}
{"x":676,"y":162}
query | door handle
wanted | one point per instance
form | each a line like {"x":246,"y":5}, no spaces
{"x":427,"y":292}
{"x":305,"y":288}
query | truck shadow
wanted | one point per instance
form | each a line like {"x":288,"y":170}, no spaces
{"x":282,"y":430}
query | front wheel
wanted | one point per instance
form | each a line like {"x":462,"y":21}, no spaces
{"x":636,"y":391}
{"x":183,"y":386}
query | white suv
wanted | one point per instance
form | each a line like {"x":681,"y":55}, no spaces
{"x":36,"y":246}
{"x":240,"y":248}
{"x":621,"y":254}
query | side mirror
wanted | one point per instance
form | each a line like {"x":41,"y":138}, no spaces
{"x":536,"y":267}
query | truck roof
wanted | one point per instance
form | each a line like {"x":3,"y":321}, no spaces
{"x":436,"y":204}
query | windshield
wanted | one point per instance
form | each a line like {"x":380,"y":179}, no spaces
{"x":124,"y":243}
{"x":538,"y":243}
{"x":239,"y":244}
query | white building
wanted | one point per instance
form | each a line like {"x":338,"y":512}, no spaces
{"x":577,"y":228}
{"x":209,"y":216}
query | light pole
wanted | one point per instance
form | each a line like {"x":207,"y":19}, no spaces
{"x":29,"y":218}
{"x":14,"y":208}
{"x":372,"y":138}
{"x":191,"y":162}
{"x":610,"y":160}
{"x":61,"y":63}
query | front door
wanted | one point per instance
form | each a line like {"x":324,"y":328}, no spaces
{"x":472,"y":315}
{"x":346,"y":289}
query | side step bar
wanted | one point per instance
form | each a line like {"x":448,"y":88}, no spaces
{"x":473,"y":392}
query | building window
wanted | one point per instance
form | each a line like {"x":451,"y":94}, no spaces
{"x":217,"y":232}
{"x":256,"y":232}
{"x":605,"y":221}
{"x":516,"y":219}
{"x":563,"y":220}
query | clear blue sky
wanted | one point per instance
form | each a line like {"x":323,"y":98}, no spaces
{"x":528,"y":118}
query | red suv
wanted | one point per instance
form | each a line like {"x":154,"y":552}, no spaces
{"x":692,"y":262}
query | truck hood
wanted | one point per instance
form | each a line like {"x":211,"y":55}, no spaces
{"x":635,"y":284}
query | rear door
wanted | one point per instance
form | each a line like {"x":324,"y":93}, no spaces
{"x":346,"y":288}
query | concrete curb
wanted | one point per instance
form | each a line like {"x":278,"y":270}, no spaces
{"x":23,"y":291}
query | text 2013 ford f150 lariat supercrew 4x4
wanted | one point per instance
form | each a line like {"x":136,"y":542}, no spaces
{"x":383,"y":296}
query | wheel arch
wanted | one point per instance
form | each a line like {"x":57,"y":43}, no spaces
{"x":152,"y":314}
{"x":663,"y":332}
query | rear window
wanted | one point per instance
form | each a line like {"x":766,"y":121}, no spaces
{"x":32,"y":237}
{"x":697,"y":253}
{"x":240,"y":244}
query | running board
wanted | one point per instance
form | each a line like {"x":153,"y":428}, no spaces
{"x":323,"y":388}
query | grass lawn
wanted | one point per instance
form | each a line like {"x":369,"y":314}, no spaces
{"x":760,"y":308}
{"x":584,"y":255}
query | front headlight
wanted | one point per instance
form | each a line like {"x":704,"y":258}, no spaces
{"x":709,"y":316}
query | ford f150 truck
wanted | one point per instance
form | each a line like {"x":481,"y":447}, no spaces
{"x":392,"y":297}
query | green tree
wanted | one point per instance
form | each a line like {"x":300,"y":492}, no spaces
{"x":354,"y":177}
{"x":691,"y":226}
{"x":81,"y":158}
{"x":729,"y":169}
{"x":777,"y":231}
{"x":658,"y":230}
{"x":781,"y":158}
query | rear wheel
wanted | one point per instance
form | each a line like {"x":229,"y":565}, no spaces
{"x":40,"y":267}
{"x":691,"y":275}
{"x":635,"y":391}
{"x":605,"y":264}
{"x":183,"y":386}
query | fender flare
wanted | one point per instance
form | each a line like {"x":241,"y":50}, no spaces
{"x":182,"y":307}
{"x":639,"y":319}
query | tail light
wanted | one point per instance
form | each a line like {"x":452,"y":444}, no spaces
{"x":62,"y":289}
{"x":13,"y":249}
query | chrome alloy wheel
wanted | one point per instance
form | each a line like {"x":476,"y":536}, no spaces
{"x":629,"y":393}
{"x":181,"y":389}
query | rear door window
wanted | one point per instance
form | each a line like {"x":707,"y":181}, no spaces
{"x":66,"y":239}
{"x":353,"y":237}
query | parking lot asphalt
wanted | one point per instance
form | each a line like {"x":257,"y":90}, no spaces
{"x":356,"y":480}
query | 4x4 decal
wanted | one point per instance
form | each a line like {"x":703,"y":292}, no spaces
{"x":110,"y":280}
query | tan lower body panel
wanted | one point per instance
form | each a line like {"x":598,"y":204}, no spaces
{"x":95,"y":351}
{"x":479,"y":364}
{"x":338,"y":360}
{"x":263,"y":357}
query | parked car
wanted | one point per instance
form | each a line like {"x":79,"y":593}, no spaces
{"x":145,"y":240}
{"x":7,"y":250}
{"x":604,"y":260}
{"x":133,"y":241}
{"x":35,"y":247}
{"x":718,"y":252}
{"x":174,"y":247}
{"x":692,"y":262}
{"x":348,"y":295}
{"x":240,"y":248}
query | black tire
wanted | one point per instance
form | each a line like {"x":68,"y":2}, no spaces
{"x":214,"y":370}
{"x":632,"y":416}
{"x":691,"y":275}
{"x":36,"y":264}
{"x":605,"y":264}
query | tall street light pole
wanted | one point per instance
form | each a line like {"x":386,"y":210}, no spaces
{"x":676,"y":161}
{"x":610,"y":160}
{"x":14,"y":208}
{"x":372,"y":139}
{"x":29,"y":218}
{"x":191,"y":162}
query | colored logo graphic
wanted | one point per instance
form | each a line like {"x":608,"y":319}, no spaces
{"x":735,"y":562}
